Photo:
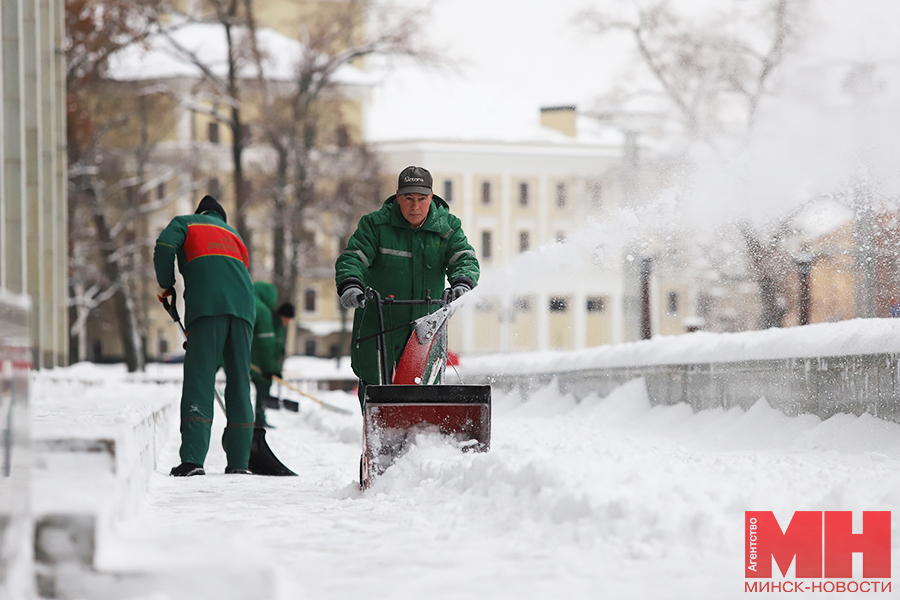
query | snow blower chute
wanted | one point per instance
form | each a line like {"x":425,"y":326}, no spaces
{"x":417,"y":400}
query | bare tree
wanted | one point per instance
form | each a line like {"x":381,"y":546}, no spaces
{"x":227,"y":87}
{"x":296,"y":127}
{"x":101,"y":267}
{"x":710,"y":76}
{"x":769,"y":263}
{"x":703,"y":71}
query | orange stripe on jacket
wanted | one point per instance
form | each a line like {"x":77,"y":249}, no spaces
{"x":211,"y":240}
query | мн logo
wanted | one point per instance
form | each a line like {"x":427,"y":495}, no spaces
{"x":820,"y":543}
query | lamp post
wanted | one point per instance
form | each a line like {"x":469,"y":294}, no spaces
{"x":804,"y":267}
{"x":646,"y":331}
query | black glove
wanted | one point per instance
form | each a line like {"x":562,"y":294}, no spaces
{"x":353,"y":297}
{"x":458,"y":290}
{"x":269,"y":374}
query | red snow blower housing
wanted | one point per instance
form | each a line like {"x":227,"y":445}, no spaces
{"x":417,"y":400}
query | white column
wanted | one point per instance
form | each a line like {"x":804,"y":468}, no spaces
{"x":13,"y":72}
{"x":579,"y":320}
{"x":34,"y":177}
{"x":542,"y":310}
{"x":467,"y":217}
{"x":61,"y":251}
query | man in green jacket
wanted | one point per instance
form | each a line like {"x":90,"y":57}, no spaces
{"x":218,"y":317}
{"x":267,"y":351}
{"x":410,"y":246}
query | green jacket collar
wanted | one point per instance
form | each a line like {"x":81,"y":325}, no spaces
{"x":214,"y":214}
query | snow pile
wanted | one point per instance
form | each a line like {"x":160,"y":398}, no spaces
{"x":845,"y":338}
{"x":608,"y":494}
{"x":612,"y":488}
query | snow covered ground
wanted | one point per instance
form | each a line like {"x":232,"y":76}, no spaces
{"x":609,"y":498}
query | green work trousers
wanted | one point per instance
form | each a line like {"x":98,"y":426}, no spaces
{"x":211,"y":341}
{"x":262,"y":392}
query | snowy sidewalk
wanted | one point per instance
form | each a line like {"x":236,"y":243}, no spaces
{"x":97,"y":437}
{"x":606,"y":498}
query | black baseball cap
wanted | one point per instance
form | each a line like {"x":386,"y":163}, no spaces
{"x":414,"y":180}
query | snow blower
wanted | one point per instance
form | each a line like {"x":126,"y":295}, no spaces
{"x":417,"y":400}
{"x":262,"y":460}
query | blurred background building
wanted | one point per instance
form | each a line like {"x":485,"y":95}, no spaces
{"x":33,"y":200}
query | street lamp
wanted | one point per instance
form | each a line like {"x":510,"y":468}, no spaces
{"x":804,"y":263}
{"x":646,"y":331}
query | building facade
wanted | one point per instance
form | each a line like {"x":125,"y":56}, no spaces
{"x":33,"y":243}
{"x":176,"y":146}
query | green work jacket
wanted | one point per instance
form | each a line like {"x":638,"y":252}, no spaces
{"x":265,"y":352}
{"x":214,"y":262}
{"x":387,"y":254}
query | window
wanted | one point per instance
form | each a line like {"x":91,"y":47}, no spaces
{"x":704,"y":305}
{"x":561,"y":237}
{"x":485,"y":192}
{"x":595,"y":191}
{"x":523,"y":193}
{"x":448,"y":190}
{"x":486,"y":250}
{"x":309,"y":347}
{"x":246,"y":133}
{"x":161,"y":191}
{"x":212,"y":132}
{"x":484,"y":305}
{"x":561,"y":194}
{"x":309,"y":300}
{"x":524,"y":241}
{"x":559,"y":304}
{"x":213,"y":188}
{"x":342,"y":133}
{"x":672,"y":303}
{"x":310,"y":133}
{"x":522,"y":304}
{"x":595,"y":305}
{"x":163,"y":346}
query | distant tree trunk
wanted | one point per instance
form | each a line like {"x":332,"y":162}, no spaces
{"x":237,"y":132}
{"x":123,"y":302}
{"x":864,"y":254}
{"x":769,"y":268}
{"x":280,"y":275}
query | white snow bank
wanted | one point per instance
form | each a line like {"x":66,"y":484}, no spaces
{"x":612,"y":492}
{"x":845,"y":338}
{"x":610,"y":495}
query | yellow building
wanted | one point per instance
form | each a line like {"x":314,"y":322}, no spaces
{"x":516,"y":195}
{"x":173,"y":139}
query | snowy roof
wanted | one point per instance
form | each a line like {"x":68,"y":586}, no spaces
{"x":822,"y":217}
{"x":160,"y":58}
{"x":417,"y":104}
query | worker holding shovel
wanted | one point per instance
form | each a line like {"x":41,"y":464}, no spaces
{"x":219,"y":315}
{"x":267,"y":351}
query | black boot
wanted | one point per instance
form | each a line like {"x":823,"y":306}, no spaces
{"x":187,"y":470}
{"x":236,"y":471}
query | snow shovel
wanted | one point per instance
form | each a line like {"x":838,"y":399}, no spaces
{"x":325,"y":405}
{"x":417,"y":400}
{"x":262,"y":460}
